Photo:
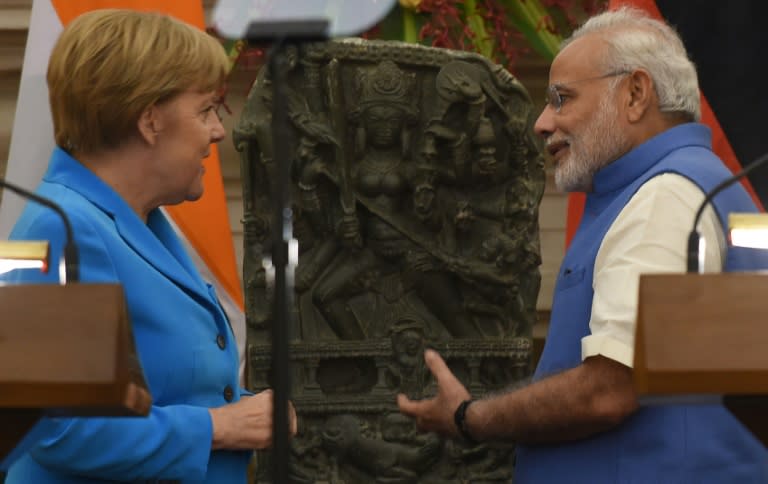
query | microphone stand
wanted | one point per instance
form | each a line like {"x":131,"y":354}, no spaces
{"x":282,"y":34}
{"x":694,"y":238}
{"x":70,"y":257}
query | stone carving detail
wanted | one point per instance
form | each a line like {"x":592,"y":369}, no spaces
{"x":415,"y":191}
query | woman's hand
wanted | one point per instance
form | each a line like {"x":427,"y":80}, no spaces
{"x":247,"y":423}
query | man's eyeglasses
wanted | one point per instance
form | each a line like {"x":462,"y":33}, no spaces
{"x":555,"y":99}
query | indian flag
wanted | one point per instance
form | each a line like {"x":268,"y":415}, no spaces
{"x":203,"y":225}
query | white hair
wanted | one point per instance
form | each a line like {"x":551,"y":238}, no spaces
{"x":636,"y":41}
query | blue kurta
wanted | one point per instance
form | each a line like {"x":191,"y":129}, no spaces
{"x":673,"y":444}
{"x":183,"y":338}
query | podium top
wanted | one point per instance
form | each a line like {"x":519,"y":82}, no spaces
{"x":702,"y":334}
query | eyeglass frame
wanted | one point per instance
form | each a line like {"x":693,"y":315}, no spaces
{"x":554,"y":98}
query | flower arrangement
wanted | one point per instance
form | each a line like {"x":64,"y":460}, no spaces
{"x":501,"y":30}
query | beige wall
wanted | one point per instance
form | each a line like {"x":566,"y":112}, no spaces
{"x":14,"y":20}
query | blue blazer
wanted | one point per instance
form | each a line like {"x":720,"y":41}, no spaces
{"x":183,"y":338}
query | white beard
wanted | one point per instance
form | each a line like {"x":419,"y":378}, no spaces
{"x":600,"y":142}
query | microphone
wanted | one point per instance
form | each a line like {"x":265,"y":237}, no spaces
{"x":694,"y":238}
{"x":70,"y":257}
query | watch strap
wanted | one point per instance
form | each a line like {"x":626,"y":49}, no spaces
{"x":460,"y":419}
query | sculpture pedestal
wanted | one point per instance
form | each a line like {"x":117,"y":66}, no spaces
{"x":705,"y":335}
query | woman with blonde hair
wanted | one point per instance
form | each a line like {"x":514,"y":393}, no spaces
{"x":134,"y":98}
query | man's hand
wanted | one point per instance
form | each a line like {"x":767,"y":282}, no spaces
{"x":247,"y":423}
{"x":436,"y":414}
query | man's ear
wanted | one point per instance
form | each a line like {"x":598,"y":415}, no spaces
{"x":149,"y":125}
{"x":642,"y":95}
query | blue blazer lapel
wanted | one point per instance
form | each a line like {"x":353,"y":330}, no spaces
{"x":155,"y":241}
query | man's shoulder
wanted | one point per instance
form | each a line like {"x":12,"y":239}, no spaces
{"x":670,"y":181}
{"x":665,"y":192}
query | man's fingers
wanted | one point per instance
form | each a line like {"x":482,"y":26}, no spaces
{"x":294,"y":421}
{"x":437,"y":366}
{"x":409,"y":407}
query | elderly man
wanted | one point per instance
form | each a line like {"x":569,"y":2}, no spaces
{"x":621,"y":125}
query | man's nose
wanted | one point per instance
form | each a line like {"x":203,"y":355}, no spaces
{"x":545,"y":124}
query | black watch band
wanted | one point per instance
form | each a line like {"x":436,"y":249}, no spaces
{"x":460,"y":418}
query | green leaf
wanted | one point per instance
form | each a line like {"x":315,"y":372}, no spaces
{"x":528,"y":16}
{"x":483,"y":42}
{"x":410,"y":31}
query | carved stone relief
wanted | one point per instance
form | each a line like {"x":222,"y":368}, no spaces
{"x":415,"y":192}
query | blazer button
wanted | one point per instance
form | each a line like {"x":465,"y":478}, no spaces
{"x":221,"y":341}
{"x":229,"y":394}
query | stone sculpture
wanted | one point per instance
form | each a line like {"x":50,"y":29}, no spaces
{"x":415,"y":191}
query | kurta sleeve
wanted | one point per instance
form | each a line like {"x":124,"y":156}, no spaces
{"x":649,"y":236}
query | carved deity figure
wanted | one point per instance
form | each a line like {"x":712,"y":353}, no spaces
{"x":374,"y":209}
{"x":415,"y":186}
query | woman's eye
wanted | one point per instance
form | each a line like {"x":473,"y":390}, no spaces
{"x":207,"y":112}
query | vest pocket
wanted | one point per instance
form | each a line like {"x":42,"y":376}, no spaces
{"x":569,"y":277}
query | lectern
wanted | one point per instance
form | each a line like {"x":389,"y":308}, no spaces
{"x":705,"y":337}
{"x":67,"y":351}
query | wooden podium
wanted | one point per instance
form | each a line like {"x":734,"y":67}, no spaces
{"x":705,"y":336}
{"x":65,"y":350}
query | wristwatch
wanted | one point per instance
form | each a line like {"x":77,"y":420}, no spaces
{"x":460,"y":418}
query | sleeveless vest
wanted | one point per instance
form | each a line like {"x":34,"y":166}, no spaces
{"x":673,"y":444}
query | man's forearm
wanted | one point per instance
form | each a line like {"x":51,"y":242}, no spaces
{"x":580,"y":402}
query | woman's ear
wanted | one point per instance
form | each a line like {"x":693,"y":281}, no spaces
{"x":642,"y":95}
{"x":149,"y":125}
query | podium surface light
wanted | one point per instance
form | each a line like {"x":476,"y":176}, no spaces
{"x":23,"y":254}
{"x":748,"y":230}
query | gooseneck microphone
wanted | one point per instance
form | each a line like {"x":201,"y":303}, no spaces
{"x":694,"y":238}
{"x":70,"y":257}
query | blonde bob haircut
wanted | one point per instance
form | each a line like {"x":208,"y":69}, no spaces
{"x":109,"y":65}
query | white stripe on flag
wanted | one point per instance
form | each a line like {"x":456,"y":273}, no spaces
{"x":32,"y":136}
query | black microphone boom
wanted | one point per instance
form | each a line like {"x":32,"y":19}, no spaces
{"x":694,"y":237}
{"x":71,"y":260}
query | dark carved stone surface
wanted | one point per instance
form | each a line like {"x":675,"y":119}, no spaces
{"x":415,"y":192}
